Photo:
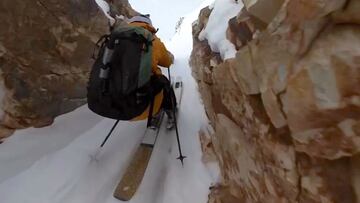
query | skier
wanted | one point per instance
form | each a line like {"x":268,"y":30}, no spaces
{"x":135,"y":87}
{"x":161,"y":57}
{"x":126,"y":83}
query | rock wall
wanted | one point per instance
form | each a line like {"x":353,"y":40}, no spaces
{"x":286,"y":109}
{"x":45,"y":50}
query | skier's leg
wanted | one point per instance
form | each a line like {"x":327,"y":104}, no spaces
{"x":169,"y":110}
{"x":157,"y":83}
{"x":169,"y":96}
{"x":168,"y":105}
{"x":167,"y":91}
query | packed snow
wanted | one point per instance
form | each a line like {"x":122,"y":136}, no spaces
{"x":54,"y":165}
{"x":215,"y":30}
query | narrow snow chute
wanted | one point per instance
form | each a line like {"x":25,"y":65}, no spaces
{"x":131,"y":179}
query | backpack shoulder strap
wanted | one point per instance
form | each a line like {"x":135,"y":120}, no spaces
{"x":99,"y":45}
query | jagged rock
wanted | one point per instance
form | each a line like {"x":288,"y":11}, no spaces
{"x":45,"y":51}
{"x":328,"y":181}
{"x":201,"y":22}
{"x":253,"y":168}
{"x":243,"y":73}
{"x":207,"y":147}
{"x":242,"y":28}
{"x":5,"y":132}
{"x":350,"y":14}
{"x":321,"y":102}
{"x":273,"y":109}
{"x":221,"y":194}
{"x":286,"y":110}
{"x":265,"y":10}
{"x":121,"y":7}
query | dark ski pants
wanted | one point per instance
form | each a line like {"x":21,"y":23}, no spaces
{"x":161,"y":82}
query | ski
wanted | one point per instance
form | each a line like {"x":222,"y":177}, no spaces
{"x":136,"y":169}
{"x":179,"y":90}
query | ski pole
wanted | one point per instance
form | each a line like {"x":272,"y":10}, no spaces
{"x":98,"y":151}
{"x":181,"y":157}
{"x":109,"y":134}
{"x":169,"y":76}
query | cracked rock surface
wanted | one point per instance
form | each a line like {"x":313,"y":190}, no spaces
{"x":286,"y":109}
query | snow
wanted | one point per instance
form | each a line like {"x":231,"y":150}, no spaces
{"x":2,"y":95}
{"x":215,"y":30}
{"x":54,"y":165}
{"x":165,"y":13}
{"x":104,"y":6}
{"x":181,"y":41}
{"x":106,"y":9}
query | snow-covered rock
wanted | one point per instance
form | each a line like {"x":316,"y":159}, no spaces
{"x":215,"y":30}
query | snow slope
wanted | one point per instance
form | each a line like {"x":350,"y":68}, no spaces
{"x":165,"y":13}
{"x":53,"y":164}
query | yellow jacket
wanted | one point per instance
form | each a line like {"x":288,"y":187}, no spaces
{"x":161,"y":57}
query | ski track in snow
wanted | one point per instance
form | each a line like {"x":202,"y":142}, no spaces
{"x":54,"y":165}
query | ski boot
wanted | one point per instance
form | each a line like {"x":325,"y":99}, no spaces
{"x":170,"y":119}
{"x":155,"y":121}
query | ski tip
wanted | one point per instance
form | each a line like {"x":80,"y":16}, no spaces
{"x":121,"y":198}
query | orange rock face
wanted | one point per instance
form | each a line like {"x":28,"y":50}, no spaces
{"x":286,"y":109}
{"x":45,"y":58}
